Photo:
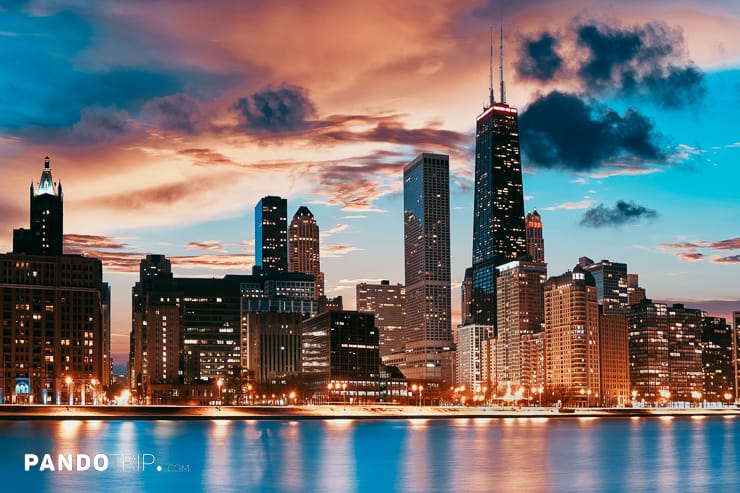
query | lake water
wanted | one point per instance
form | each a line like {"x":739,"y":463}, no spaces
{"x":465,"y":455}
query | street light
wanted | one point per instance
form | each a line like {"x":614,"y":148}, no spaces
{"x":695,"y":394}
{"x":219,"y":383}
{"x":344,"y":392}
{"x":421,"y":391}
{"x":69,"y":389}
{"x":94,"y":384}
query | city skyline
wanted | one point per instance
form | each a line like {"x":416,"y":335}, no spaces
{"x":166,"y":141}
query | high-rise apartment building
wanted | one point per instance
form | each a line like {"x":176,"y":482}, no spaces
{"x":469,"y":357}
{"x":521,"y":314}
{"x":572,"y":337}
{"x":466,"y":297}
{"x":54,"y":322}
{"x":271,"y":234}
{"x":303,"y":246}
{"x":635,"y":293}
{"x":426,"y":199}
{"x":614,"y":365}
{"x":717,"y":363}
{"x":686,"y":379}
{"x":535,"y":241}
{"x":498,"y":220}
{"x":649,"y":356}
{"x":386,"y":302}
{"x":611,"y":284}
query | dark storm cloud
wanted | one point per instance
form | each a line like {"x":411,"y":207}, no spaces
{"x":286,"y":109}
{"x":644,"y":61}
{"x":177,"y":112}
{"x":622,"y":213}
{"x":538,"y":58}
{"x":647,"y":60}
{"x":563,"y":131}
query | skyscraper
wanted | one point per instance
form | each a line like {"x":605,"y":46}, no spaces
{"x":45,"y":236}
{"x":53,"y":322}
{"x":572,"y":337}
{"x":719,"y":374}
{"x":498,"y":220}
{"x":426,"y":200}
{"x":535,"y":241}
{"x":649,"y":357}
{"x":684,"y":353}
{"x":521,"y":314}
{"x":614,"y":365}
{"x":611,"y":284}
{"x":271,"y":234}
{"x":303,"y":247}
{"x":386,"y":301}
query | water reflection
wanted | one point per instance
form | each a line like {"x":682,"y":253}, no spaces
{"x":417,"y":455}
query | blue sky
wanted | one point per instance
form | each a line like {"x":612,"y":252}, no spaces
{"x":167,"y":121}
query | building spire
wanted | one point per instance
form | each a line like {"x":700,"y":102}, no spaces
{"x":501,"y":66}
{"x":491,"y":98}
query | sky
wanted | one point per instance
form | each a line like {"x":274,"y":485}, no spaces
{"x":167,"y":121}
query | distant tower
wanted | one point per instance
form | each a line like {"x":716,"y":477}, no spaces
{"x":611,"y":283}
{"x":535,"y":242}
{"x":271,"y":234}
{"x":426,"y":203}
{"x":498,"y":208}
{"x":46,"y":236}
{"x":303,"y":247}
{"x":386,"y":301}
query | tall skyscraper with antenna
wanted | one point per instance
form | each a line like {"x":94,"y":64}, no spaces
{"x":498,"y":221}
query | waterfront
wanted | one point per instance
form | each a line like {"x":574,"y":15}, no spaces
{"x":416,"y":455}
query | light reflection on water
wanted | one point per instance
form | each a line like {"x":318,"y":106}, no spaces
{"x":415,"y":455}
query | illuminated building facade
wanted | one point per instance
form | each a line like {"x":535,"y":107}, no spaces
{"x":572,"y":338}
{"x":521,"y":314}
{"x":649,"y":355}
{"x":55,"y":324}
{"x":498,"y":221}
{"x":614,"y":354}
{"x":611,"y":284}
{"x":535,"y":241}
{"x":303,"y":245}
{"x":717,"y":362}
{"x":341,"y":348}
{"x":686,"y":378}
{"x":426,"y":199}
{"x":386,"y":302}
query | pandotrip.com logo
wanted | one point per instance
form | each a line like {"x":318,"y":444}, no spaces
{"x":126,"y":463}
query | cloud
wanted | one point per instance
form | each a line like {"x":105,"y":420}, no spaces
{"x":205,"y":245}
{"x":731,"y":244}
{"x":286,"y":109}
{"x":73,"y":242}
{"x":622,"y":213}
{"x":336,"y":229}
{"x":678,"y":246}
{"x":216,"y":262}
{"x":177,"y":112}
{"x":562,"y":131}
{"x":333,"y":251}
{"x":690,"y":256}
{"x":99,"y":125}
{"x":583,"y":204}
{"x":646,"y":61}
{"x":732,"y":259}
{"x":538,"y":58}
{"x":207,"y":157}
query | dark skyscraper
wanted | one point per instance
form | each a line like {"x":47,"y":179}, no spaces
{"x":611,"y":283}
{"x":271,"y":234}
{"x":45,"y":236}
{"x":426,"y":201}
{"x":498,"y":221}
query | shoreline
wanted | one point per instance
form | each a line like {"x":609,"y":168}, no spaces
{"x":9,"y":412}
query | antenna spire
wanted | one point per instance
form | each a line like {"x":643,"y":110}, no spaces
{"x":491,"y":98}
{"x":501,"y":66}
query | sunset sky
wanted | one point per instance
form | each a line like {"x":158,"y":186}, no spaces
{"x":167,"y":121}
